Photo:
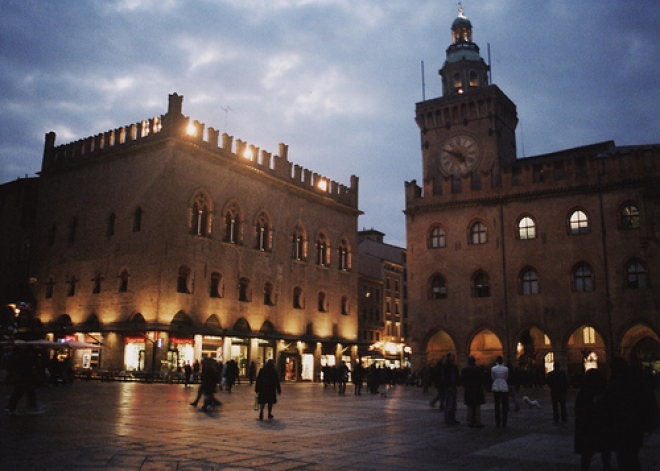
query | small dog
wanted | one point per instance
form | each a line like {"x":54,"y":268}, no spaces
{"x":531,"y":402}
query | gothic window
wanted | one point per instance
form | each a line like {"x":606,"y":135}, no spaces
{"x":262,"y":233}
{"x":344,"y":305}
{"x":343,"y":256}
{"x":123,"y":281}
{"x":438,"y":287}
{"x":582,"y":278}
{"x":457,"y":82}
{"x":629,"y":217}
{"x":110,"y":229}
{"x":481,"y":285}
{"x":72,"y":286}
{"x":478,"y":233}
{"x":232,"y":225}
{"x":73,"y":229}
{"x":322,"y":251}
{"x":137,"y":219}
{"x":578,"y":223}
{"x":322,"y":302}
{"x":635,"y":275}
{"x":526,"y":228}
{"x":214,"y":287}
{"x":529,"y":281}
{"x":200,"y":216}
{"x":299,"y":244}
{"x":96,"y":289}
{"x":183,"y":279}
{"x":50,"y":284}
{"x":474,"y":79}
{"x":297,"y":298}
{"x":268,"y":294}
{"x":437,"y":239}
{"x":244,"y":290}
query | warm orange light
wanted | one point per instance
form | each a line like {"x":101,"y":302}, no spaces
{"x":191,"y":130}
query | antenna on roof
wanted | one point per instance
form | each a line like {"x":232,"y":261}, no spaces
{"x":226,"y":109}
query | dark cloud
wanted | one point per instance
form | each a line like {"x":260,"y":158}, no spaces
{"x":336,"y":80}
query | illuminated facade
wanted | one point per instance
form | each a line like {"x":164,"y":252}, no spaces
{"x":552,"y":257}
{"x":164,"y":246}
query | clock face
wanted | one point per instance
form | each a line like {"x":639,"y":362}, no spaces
{"x":459,"y":154}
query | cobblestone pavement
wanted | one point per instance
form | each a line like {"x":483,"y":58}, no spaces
{"x":94,"y":425}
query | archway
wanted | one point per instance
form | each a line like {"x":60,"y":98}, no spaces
{"x":641,"y":347}
{"x":438,"y":346}
{"x":486,"y":347}
{"x":533,"y":355}
{"x":585,"y":350}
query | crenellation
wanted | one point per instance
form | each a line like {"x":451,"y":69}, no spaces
{"x":175,"y":125}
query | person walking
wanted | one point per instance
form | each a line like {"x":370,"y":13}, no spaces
{"x":499,"y":374}
{"x":473,"y":392}
{"x":593,"y":423}
{"x":23,"y":362}
{"x":252,"y":372}
{"x":187,"y":372}
{"x":450,"y":380}
{"x":342,"y":377}
{"x":231,"y":374}
{"x":436,"y":378}
{"x":558,"y":384}
{"x":358,"y":376}
{"x":267,"y":388}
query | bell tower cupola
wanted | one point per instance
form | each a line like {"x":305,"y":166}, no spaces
{"x":464,"y":69}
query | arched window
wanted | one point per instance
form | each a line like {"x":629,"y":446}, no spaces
{"x":582,"y":278}
{"x":262,"y":233}
{"x":478,"y":234}
{"x":299,"y":244}
{"x":232,"y":225}
{"x":343,"y":256}
{"x":474,"y":79}
{"x":629,"y":217}
{"x":481,"y":285}
{"x":297,"y":297}
{"x":244,"y":290}
{"x":110,"y":229}
{"x":268,"y":294}
{"x":635,"y":275}
{"x":214,"y":287}
{"x":438,"y":287}
{"x":526,"y":228}
{"x":72,"y":286}
{"x":578,"y":223}
{"x":137,"y":219}
{"x":529,"y":281}
{"x":123,"y":281}
{"x":322,"y":250}
{"x":183,"y":278}
{"x":200,"y":215}
{"x":437,"y":239}
{"x":344,"y":305}
{"x":322,"y":306}
{"x":96,"y":289}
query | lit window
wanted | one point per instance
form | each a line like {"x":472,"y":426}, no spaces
{"x":478,"y":234}
{"x":322,"y":251}
{"x":262,"y":234}
{"x":526,"y":228}
{"x":437,"y":238}
{"x":298,"y":244}
{"x":630,"y":217}
{"x":344,"y":261}
{"x":579,"y":223}
{"x":529,"y":281}
{"x":201,"y":208}
{"x":588,"y":336}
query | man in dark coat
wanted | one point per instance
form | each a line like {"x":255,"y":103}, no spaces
{"x":472,"y":379}
{"x":558,"y":384}
{"x":267,"y":388}
{"x":450,"y":380}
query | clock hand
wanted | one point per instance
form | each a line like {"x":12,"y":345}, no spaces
{"x":458,"y":155}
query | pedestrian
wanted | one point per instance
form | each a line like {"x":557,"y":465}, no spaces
{"x":231,"y":374}
{"x":342,"y":377}
{"x":252,"y":372}
{"x":558,"y":384}
{"x":425,"y":378}
{"x":450,"y":380}
{"x":267,"y":388}
{"x":436,"y":378}
{"x":358,"y":376}
{"x":187,"y":372}
{"x":593,"y":424}
{"x":499,"y":374}
{"x":23,"y":362}
{"x":473,"y":392}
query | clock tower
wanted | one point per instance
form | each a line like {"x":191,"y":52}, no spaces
{"x":471,"y":127}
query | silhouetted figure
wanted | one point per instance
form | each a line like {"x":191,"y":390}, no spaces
{"x":358,"y":377}
{"x":499,"y":374}
{"x":593,"y":424}
{"x":22,"y":368}
{"x":267,"y":388}
{"x":231,"y":374}
{"x":473,"y":392}
{"x":436,"y":378}
{"x":450,"y":380}
{"x":252,"y":372}
{"x":558,"y":384}
{"x":342,"y":377}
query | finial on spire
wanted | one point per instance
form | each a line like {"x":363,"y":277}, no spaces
{"x":460,"y":8}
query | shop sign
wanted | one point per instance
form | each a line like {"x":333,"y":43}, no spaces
{"x":181,"y":341}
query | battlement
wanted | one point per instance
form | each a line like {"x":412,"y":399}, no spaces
{"x":175,"y":125}
{"x":596,"y":166}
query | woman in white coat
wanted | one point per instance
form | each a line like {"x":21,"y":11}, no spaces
{"x":499,"y":374}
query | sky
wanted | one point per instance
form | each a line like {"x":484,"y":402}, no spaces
{"x":335,"y":80}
